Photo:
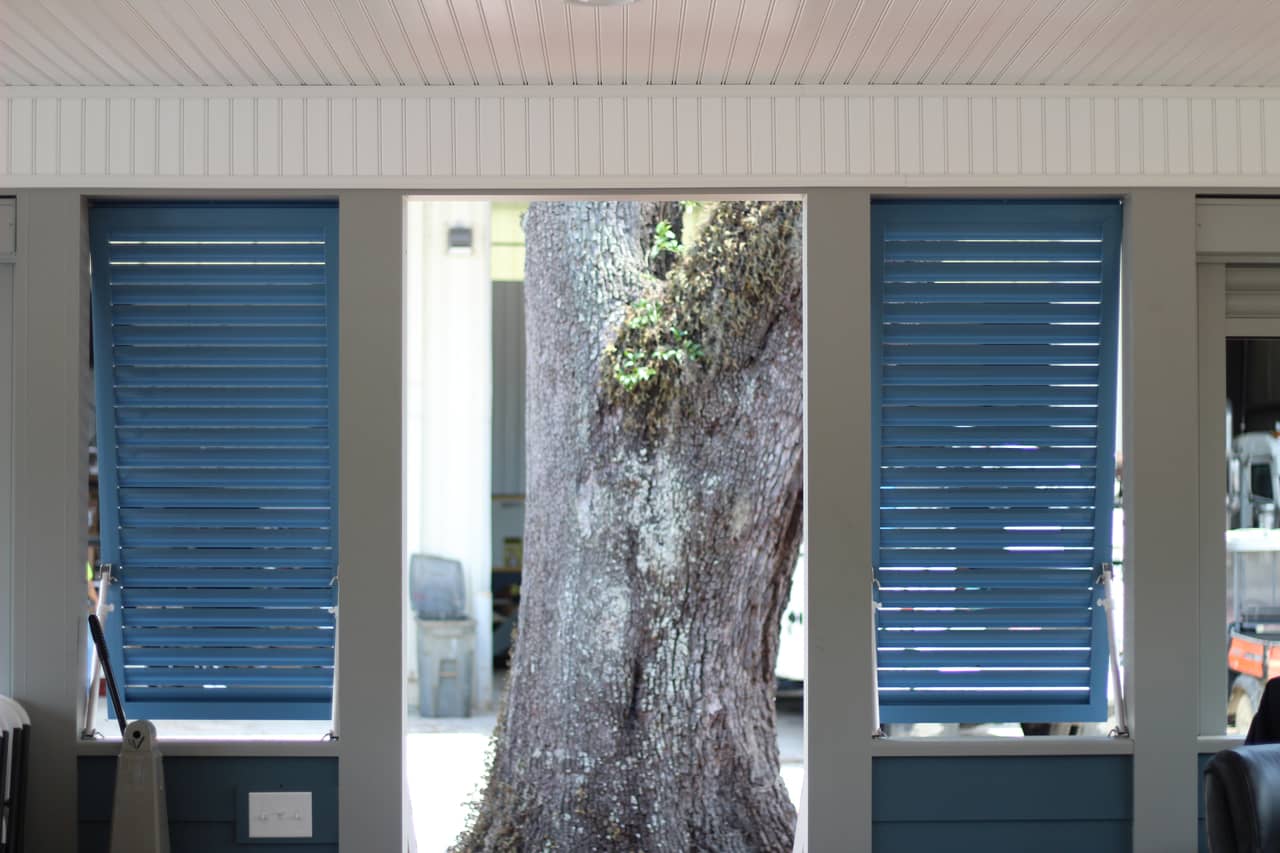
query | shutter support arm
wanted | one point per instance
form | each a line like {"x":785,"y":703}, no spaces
{"x":332,"y":734}
{"x":877,"y":730}
{"x":1106,"y":578}
{"x":90,"y":731}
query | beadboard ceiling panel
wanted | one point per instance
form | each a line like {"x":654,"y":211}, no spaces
{"x":652,"y":42}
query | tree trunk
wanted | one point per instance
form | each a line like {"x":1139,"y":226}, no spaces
{"x":662,"y":525}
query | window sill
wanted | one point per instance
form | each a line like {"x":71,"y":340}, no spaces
{"x":995,"y":746}
{"x":221,"y":748}
{"x":225,"y":737}
{"x":1206,"y":744}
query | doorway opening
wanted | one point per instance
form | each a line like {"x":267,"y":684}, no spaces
{"x":471,"y":358}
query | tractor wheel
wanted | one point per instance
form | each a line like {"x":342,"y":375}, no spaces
{"x":1242,"y":703}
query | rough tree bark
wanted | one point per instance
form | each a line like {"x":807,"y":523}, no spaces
{"x":662,"y":524}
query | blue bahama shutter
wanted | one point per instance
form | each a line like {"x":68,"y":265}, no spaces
{"x":995,"y":385}
{"x":215,"y":347}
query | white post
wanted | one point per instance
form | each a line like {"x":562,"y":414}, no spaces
{"x":7,"y":256}
{"x":839,"y":699}
{"x":371,"y":543}
{"x":449,"y":396}
{"x":1162,"y":514}
{"x":50,"y":461}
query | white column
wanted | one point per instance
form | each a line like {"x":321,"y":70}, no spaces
{"x":7,"y":255}
{"x":839,"y":703}
{"x":372,"y":812}
{"x":449,"y":379}
{"x":1161,"y":480}
{"x":50,"y":349}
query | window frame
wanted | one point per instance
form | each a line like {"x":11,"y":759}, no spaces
{"x":1229,"y":231}
{"x":1106,"y":213}
{"x":233,"y":216}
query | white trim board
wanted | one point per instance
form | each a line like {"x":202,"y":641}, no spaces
{"x":637,"y":137}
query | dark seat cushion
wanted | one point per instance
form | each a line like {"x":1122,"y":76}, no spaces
{"x":1242,"y":800}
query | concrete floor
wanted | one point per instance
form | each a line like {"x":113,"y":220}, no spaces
{"x":446,"y":766}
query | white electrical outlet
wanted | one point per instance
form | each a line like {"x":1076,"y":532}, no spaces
{"x":279,"y":814}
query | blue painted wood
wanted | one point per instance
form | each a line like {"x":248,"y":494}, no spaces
{"x":1004,"y":324}
{"x":986,"y":498}
{"x":971,"y":456}
{"x":998,"y":293}
{"x":1003,"y":617}
{"x":966,"y":578}
{"x":1048,"y":638}
{"x":1002,"y":788}
{"x":1038,"y":836}
{"x":1042,"y":252}
{"x":978,"y":558}
{"x":934,"y":658}
{"x":215,"y":353}
{"x":199,"y":838}
{"x":977,"y":273}
{"x":955,"y":436}
{"x":1014,"y":803}
{"x":205,"y":799}
{"x":1202,"y":761}
{"x":1035,"y":598}
{"x":1037,"y":353}
{"x":996,"y":416}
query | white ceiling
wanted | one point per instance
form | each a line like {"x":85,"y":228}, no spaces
{"x":539,"y":42}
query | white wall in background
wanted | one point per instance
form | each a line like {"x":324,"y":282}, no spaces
{"x":449,"y":408}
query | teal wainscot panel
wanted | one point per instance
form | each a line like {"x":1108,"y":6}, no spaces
{"x":207,"y":799}
{"x":1201,"y":762}
{"x":1046,"y":804}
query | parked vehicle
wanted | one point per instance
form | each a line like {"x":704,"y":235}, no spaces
{"x":1253,"y":572}
{"x":1253,"y":466}
{"x":790,"y":667}
{"x":1253,"y":620}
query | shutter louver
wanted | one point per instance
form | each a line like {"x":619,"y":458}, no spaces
{"x":995,"y":384}
{"x":215,"y":370}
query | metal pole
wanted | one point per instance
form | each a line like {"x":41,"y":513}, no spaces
{"x":95,"y":679}
{"x":333,"y":704}
{"x":877,"y":730}
{"x":1122,"y":709}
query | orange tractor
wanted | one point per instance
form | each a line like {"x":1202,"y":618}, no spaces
{"x":1253,"y":620}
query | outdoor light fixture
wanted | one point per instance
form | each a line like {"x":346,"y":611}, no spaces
{"x":459,"y":240}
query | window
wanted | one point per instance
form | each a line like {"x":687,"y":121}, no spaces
{"x":1260,"y":481}
{"x":1252,"y":540}
{"x":215,"y":350}
{"x":995,"y":386}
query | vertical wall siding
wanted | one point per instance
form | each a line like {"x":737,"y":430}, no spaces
{"x":1050,"y":804}
{"x":637,"y":136}
{"x":1202,"y":761}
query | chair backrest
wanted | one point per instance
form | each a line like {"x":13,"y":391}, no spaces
{"x":1242,"y":800}
{"x":14,"y":758}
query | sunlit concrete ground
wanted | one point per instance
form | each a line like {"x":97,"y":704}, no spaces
{"x":446,"y":763}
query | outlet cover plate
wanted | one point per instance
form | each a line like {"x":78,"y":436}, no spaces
{"x":279,"y":814}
